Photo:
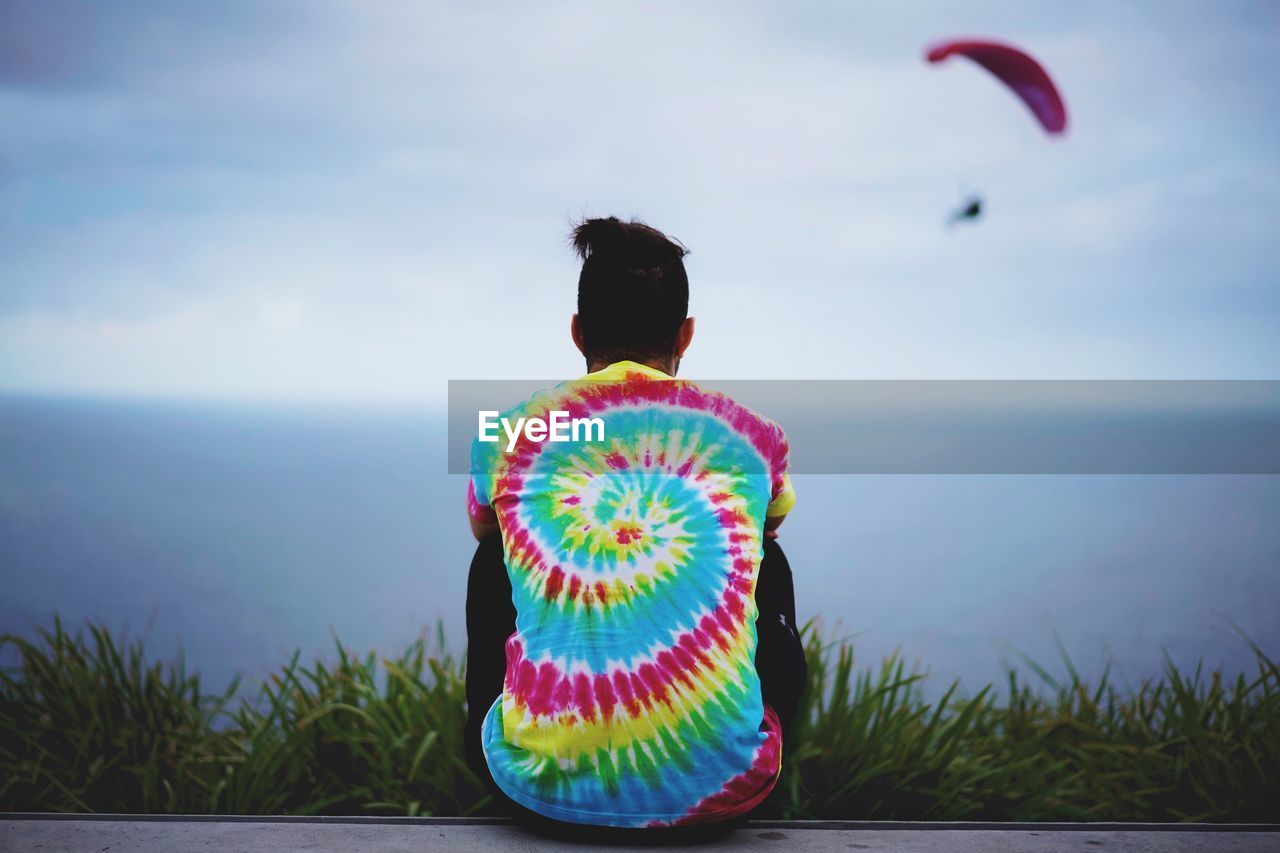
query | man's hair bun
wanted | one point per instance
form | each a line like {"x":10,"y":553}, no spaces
{"x":625,"y":245}
{"x":599,"y":237}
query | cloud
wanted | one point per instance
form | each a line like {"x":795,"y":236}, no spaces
{"x":393,"y":183}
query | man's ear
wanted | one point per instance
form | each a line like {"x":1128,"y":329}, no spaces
{"x":575,"y":329}
{"x":684,"y":337}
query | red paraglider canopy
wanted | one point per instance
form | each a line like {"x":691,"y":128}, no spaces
{"x":1017,"y":70}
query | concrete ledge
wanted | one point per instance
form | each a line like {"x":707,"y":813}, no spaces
{"x":24,"y":831}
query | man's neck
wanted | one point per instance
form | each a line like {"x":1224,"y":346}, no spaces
{"x":667,"y":365}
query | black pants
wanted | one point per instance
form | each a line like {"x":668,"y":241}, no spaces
{"x":491,"y":619}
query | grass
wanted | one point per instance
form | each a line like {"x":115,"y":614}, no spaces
{"x":88,"y":725}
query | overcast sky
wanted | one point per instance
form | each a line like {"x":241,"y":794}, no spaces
{"x":358,"y":201}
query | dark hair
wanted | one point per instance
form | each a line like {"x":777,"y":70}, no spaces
{"x":633,"y":292}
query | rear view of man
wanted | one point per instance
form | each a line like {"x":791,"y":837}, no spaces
{"x":633,"y":659}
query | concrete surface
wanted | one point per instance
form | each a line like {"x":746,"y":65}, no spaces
{"x":169,"y":834}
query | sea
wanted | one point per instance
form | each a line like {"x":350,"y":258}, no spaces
{"x":235,"y":535}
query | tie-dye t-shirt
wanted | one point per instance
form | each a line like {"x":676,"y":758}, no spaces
{"x":631,"y":696}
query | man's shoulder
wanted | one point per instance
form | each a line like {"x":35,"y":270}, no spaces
{"x":742,"y":415}
{"x":539,"y":401}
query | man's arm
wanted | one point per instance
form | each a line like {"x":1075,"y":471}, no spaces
{"x":481,"y":529}
{"x":783,"y":497}
{"x":480,"y":515}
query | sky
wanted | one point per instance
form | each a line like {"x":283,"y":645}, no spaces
{"x":356,"y":202}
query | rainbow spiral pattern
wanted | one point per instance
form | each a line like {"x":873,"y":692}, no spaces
{"x":631,"y":696}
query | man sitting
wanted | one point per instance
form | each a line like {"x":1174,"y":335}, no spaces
{"x":633,"y":658}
